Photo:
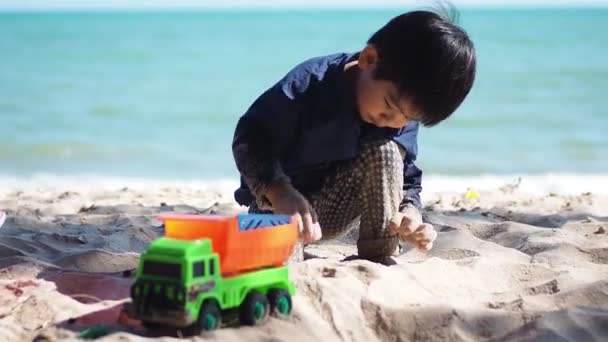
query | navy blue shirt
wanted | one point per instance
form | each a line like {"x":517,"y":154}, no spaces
{"x":306,"y":124}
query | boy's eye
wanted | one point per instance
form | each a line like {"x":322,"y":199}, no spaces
{"x":386,"y":103}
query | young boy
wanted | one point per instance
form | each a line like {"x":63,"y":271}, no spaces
{"x":334,"y":142}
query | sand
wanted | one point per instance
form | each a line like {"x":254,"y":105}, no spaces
{"x":507,"y":266}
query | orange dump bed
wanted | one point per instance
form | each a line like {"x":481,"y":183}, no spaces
{"x":243,"y":242}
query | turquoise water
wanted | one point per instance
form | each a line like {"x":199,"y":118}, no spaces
{"x":157,"y":94}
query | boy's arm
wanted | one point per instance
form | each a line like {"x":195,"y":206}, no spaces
{"x":408,"y":224}
{"x":412,"y":184}
{"x":412,"y":175}
{"x":262,"y":135}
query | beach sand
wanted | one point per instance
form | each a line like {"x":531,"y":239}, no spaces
{"x":505,"y":266}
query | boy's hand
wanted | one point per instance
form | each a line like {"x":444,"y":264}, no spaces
{"x":409,"y":227}
{"x":285,"y":199}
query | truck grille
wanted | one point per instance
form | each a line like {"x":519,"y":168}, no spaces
{"x":157,"y":295}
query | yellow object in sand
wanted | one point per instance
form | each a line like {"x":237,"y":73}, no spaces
{"x":471,"y":194}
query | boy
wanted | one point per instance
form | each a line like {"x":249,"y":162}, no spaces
{"x":334,"y":142}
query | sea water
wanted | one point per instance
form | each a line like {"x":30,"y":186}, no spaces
{"x":156,"y":94}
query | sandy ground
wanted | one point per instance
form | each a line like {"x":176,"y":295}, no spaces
{"x":506,"y":266}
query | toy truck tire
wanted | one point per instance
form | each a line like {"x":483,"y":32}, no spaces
{"x":280,"y":302}
{"x":209,"y":317}
{"x":254,"y":309}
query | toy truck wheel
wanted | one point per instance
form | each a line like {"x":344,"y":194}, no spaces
{"x":280,"y":302}
{"x":210,"y":317}
{"x":254,"y":309}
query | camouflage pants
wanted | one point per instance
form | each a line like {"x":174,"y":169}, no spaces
{"x":363,"y":193}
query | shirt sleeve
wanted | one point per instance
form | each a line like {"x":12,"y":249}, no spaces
{"x":264,"y":133}
{"x":412,"y":175}
{"x":412,"y":184}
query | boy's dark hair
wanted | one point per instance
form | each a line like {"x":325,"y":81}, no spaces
{"x":430,"y":59}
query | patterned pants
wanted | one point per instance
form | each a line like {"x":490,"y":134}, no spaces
{"x":363,"y":193}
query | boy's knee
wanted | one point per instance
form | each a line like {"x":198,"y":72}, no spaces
{"x":383,"y":152}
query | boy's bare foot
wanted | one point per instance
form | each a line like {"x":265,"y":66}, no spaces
{"x":383,"y":260}
{"x":2,"y":217}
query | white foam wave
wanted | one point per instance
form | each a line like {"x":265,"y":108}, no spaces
{"x":533,"y":184}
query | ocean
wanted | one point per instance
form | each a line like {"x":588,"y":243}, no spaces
{"x":157,"y":94}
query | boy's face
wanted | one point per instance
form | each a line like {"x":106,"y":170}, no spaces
{"x":378,"y":101}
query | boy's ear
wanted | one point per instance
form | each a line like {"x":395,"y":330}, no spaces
{"x":368,"y":58}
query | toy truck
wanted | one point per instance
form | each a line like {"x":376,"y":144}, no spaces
{"x":207,"y":266}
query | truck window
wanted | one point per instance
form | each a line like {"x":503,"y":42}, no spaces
{"x":162,"y":269}
{"x":211,"y":267}
{"x":198,"y":269}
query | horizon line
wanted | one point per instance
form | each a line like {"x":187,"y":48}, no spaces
{"x":292,"y":7}
{"x":76,"y":5}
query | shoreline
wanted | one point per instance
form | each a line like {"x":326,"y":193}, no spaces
{"x":537,"y":184}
